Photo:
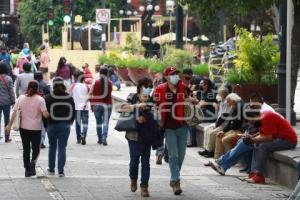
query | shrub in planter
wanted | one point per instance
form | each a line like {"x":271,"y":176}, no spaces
{"x":201,"y":69}
{"x":137,"y":68}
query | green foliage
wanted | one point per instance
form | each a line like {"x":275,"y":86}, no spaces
{"x":257,"y":58}
{"x":35,"y":13}
{"x":201,"y":69}
{"x":178,"y":58}
{"x":133,"y":45}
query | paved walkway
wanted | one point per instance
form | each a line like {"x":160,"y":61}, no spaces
{"x":97,"y":172}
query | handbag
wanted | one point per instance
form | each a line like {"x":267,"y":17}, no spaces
{"x":17,"y":121}
{"x":126,"y":122}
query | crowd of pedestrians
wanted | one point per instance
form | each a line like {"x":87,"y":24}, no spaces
{"x":45,"y":105}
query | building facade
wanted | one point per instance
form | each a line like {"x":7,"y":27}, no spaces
{"x":9,"y":23}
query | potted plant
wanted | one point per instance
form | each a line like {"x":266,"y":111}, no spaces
{"x":201,"y":69}
{"x":137,"y":68}
{"x":255,"y":66}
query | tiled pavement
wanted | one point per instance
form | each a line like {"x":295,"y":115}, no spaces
{"x":97,"y":172}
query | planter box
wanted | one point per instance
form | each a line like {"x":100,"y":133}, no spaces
{"x":269,"y":93}
{"x":136,"y":74}
{"x":123,"y":74}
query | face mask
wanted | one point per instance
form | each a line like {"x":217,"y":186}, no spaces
{"x":218,"y":98}
{"x":174,"y":79}
{"x":147,"y":91}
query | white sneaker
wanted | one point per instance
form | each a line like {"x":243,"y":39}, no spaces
{"x":215,"y":166}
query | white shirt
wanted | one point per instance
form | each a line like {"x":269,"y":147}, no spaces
{"x":265,"y":107}
{"x":80,"y":94}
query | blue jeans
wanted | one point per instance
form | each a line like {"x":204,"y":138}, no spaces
{"x":262,"y":151}
{"x":6,"y":112}
{"x":230,"y":158}
{"x":43,"y":131}
{"x":192,"y":136}
{"x":176,"y":141}
{"x":102,"y":115}
{"x":138,"y":150}
{"x":82,"y":116}
{"x":58,"y":135}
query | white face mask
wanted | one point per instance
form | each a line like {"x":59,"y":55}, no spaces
{"x":219,"y":98}
{"x":147,"y":91}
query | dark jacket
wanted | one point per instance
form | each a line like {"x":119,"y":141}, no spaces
{"x":209,"y":111}
{"x":61,"y":108}
{"x":148,"y":132}
{"x":235,"y":119}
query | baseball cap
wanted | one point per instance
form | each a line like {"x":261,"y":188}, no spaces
{"x":171,"y":71}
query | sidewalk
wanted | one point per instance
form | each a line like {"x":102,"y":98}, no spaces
{"x":95,"y":172}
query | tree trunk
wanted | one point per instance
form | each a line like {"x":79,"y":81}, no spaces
{"x":295,"y":49}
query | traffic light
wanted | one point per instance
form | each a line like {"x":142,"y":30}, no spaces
{"x":67,"y":7}
{"x":50,"y":13}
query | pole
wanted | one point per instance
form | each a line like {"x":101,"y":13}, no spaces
{"x":179,"y":26}
{"x":103,"y":2}
{"x":281,"y":72}
{"x":289,"y":59}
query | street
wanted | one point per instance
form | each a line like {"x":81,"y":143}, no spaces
{"x":97,"y":172}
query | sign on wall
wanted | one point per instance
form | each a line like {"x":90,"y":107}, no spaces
{"x":103,"y":16}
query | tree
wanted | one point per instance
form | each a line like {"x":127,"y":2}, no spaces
{"x":208,"y":10}
{"x":34,"y":13}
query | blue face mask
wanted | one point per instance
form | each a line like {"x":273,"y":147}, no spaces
{"x":174,"y":79}
{"x":147,"y":91}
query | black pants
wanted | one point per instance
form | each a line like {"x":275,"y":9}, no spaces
{"x":31,"y":139}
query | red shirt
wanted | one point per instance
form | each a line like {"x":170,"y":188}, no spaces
{"x":99,"y":99}
{"x":274,"y":124}
{"x":162,"y":97}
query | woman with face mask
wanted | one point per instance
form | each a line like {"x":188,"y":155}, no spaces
{"x":147,"y":134}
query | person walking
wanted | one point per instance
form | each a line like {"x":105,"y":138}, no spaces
{"x":62,"y":114}
{"x":148,"y":135}
{"x":7,"y":97}
{"x":88,"y":76}
{"x":170,"y":97}
{"x":44,"y":90}
{"x":80,"y":93}
{"x":64,"y":71}
{"x":44,"y":60}
{"x":101,"y":103}
{"x":23,"y":79}
{"x":32,"y":107}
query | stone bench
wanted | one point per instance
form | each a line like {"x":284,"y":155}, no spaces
{"x":282,"y":166}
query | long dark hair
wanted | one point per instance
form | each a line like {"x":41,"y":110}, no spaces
{"x":32,"y":89}
{"x":61,"y":62}
{"x":103,"y":81}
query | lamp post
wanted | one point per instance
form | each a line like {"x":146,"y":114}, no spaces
{"x":151,"y":8}
{"x":127,"y":11}
{"x":2,"y":24}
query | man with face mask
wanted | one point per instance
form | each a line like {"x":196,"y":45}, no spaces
{"x":210,"y":132}
{"x":170,"y":97}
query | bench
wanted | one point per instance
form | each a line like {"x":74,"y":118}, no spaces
{"x":282,"y":166}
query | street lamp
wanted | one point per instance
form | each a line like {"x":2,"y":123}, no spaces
{"x":170,"y":4}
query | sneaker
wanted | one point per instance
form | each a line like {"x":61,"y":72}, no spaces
{"x":61,"y":174}
{"x":215,"y":166}
{"x":159,"y":159}
{"x":43,"y":146}
{"x":78,"y":141}
{"x":175,"y":185}
{"x":99,"y":142}
{"x":104,"y":142}
{"x":83,"y":141}
{"x":50,"y":172}
{"x":257,"y":179}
